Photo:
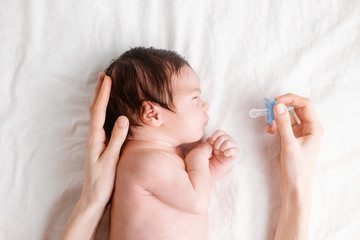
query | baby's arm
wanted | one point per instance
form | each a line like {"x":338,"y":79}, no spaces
{"x":225,"y":150}
{"x":187,"y":191}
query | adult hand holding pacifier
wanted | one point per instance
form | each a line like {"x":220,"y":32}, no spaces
{"x":299,"y":148}
{"x":100,"y":166}
{"x":300,"y":143}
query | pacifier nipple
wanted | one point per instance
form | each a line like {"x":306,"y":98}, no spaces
{"x":255,"y":112}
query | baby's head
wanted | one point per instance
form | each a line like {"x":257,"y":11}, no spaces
{"x":159,"y":93}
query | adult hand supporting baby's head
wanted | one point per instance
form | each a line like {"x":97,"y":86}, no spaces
{"x":300,"y":143}
{"x":100,"y":166}
{"x":101,"y":160}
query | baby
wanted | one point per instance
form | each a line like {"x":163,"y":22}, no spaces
{"x":159,"y":192}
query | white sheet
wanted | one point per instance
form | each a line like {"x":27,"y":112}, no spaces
{"x":243,"y":51}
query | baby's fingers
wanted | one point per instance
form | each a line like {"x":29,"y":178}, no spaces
{"x":227,"y":144}
{"x":231,"y":152}
{"x":221,"y":140}
{"x":216,"y":135}
{"x":201,"y":150}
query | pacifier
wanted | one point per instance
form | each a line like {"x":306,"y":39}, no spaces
{"x":268,"y":113}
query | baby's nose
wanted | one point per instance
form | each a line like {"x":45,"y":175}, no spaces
{"x":205,"y":106}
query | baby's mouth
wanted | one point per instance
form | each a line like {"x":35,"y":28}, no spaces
{"x":206,"y":123}
{"x":207,"y":120}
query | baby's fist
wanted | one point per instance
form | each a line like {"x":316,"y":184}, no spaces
{"x":224,"y":146}
{"x":203,"y":150}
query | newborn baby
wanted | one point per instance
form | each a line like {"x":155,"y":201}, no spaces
{"x":159,"y":192}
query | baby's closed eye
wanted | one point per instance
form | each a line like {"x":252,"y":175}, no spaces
{"x":196,"y":99}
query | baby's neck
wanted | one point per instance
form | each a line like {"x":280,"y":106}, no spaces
{"x":155,"y":144}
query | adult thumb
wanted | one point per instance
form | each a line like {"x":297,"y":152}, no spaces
{"x":283,"y":122}
{"x":118,"y":136}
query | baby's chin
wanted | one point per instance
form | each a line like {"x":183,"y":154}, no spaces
{"x":188,"y":145}
{"x":195,"y":138}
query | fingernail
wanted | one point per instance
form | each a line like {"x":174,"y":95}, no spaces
{"x":280,"y":108}
{"x":122,"y":122}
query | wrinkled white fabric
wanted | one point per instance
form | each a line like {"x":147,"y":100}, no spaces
{"x":242,"y":50}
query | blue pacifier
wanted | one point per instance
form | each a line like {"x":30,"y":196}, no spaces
{"x":267,"y":111}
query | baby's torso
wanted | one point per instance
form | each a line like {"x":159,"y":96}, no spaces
{"x":136,"y":214}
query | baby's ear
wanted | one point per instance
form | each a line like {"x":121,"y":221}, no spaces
{"x":150,"y":114}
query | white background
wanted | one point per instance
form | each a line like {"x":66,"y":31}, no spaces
{"x":242,"y":50}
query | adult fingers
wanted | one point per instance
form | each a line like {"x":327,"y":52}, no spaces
{"x":118,"y":136}
{"x":99,"y":111}
{"x":302,"y":106}
{"x":273,"y":128}
{"x":283,"y":123}
{"x":101,"y":77}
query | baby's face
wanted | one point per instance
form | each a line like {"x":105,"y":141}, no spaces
{"x":187,"y":124}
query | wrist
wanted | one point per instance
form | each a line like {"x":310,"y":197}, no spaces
{"x":300,"y":195}
{"x":297,"y":185}
{"x":294,"y":215}
{"x":90,"y":206}
{"x":84,"y":220}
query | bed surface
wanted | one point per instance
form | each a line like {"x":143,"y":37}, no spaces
{"x":242,"y":51}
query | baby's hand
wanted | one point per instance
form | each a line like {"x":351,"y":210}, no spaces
{"x":202,"y":151}
{"x":225,"y":150}
{"x":224,"y":146}
{"x":198,"y":157}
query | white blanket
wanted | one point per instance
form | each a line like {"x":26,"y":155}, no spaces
{"x":242,"y":50}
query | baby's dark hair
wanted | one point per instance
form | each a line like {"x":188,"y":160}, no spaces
{"x":140,"y":74}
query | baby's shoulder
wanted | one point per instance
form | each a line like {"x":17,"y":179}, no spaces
{"x":145,"y":159}
{"x":153,"y":167}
